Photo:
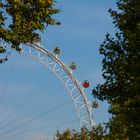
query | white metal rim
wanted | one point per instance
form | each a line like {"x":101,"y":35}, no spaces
{"x":71,"y":83}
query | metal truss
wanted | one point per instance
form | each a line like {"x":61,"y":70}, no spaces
{"x":65,"y":75}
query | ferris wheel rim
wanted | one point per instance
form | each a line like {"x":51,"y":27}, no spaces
{"x":89,"y":123}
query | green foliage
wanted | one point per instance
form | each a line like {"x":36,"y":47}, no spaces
{"x":95,"y":134}
{"x":121,"y":69}
{"x":21,"y":19}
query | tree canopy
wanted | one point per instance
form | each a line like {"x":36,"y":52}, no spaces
{"x":21,"y":20}
{"x":121,"y":69}
{"x":94,"y":134}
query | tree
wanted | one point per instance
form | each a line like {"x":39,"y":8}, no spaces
{"x":97,"y":133}
{"x":121,"y":69}
{"x":21,"y":20}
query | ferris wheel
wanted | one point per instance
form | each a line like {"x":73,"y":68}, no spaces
{"x":65,"y":74}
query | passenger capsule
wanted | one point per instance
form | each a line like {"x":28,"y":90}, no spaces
{"x":72,"y":65}
{"x":85,"y":84}
{"x":57,"y":50}
{"x":37,"y":40}
{"x":95,"y":104}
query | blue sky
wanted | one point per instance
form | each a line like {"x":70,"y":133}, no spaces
{"x":82,"y":30}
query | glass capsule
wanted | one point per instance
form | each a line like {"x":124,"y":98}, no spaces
{"x":57,"y":50}
{"x":37,"y":40}
{"x":73,"y":65}
{"x":95,"y":104}
{"x":85,"y":84}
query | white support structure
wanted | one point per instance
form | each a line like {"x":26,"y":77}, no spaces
{"x":64,"y":74}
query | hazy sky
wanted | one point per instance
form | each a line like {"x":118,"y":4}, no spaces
{"x":28,"y":89}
